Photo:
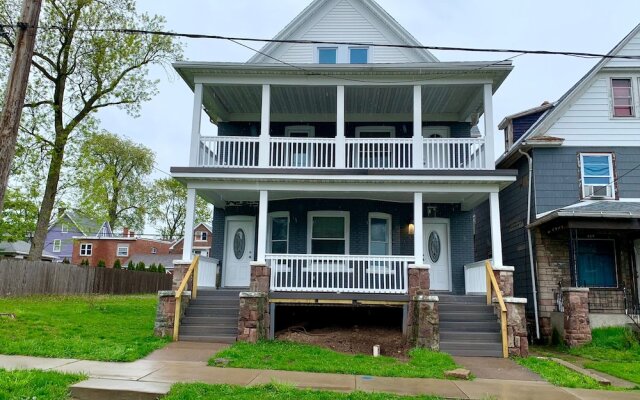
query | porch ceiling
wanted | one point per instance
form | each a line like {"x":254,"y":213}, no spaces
{"x":225,"y":102}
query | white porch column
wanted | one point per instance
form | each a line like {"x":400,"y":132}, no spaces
{"x":263,"y":210}
{"x":489,"y":134}
{"x":194,"y":149}
{"x":418,"y":148}
{"x":340,"y":140}
{"x":265,"y":125}
{"x":418,"y":244}
{"x":496,"y":234}
{"x":188,"y":225}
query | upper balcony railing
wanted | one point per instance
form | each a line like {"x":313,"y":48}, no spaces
{"x":357,"y":153}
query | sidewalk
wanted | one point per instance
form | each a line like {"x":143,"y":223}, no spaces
{"x":157,"y":376}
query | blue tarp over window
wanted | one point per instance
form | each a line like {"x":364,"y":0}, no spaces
{"x":596,"y":263}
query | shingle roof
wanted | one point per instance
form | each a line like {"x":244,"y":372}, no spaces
{"x":613,"y":209}
{"x":21,"y":248}
{"x":86,"y":225}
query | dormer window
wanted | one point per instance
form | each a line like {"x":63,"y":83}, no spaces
{"x":596,"y":170}
{"x":327,"y":55}
{"x":358,"y":55}
{"x":622,"y":94}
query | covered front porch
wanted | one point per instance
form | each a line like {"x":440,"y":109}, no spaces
{"x":347,"y":236}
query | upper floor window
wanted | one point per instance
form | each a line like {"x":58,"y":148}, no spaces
{"x":358,"y":55}
{"x":327,"y":55}
{"x":278,"y":233}
{"x":597,"y":175}
{"x":201,"y":236}
{"x":57,"y":245}
{"x":123,"y":250}
{"x":154,"y":250}
{"x":622,"y":91}
{"x":86,"y":249}
{"x":64,"y":228}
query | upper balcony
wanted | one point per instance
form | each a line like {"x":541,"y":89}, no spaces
{"x":389,"y":117}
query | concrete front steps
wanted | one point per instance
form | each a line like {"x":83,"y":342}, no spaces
{"x":211,"y":317}
{"x":468,"y":327}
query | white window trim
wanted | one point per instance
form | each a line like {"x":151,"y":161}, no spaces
{"x":343,"y":53}
{"x":308,"y":129}
{"x":391,"y":130}
{"x":154,"y":250}
{"x":271,"y":216}
{"x":386,"y":217}
{"x":199,"y":236}
{"x":611,"y":178}
{"x":363,"y":48}
{"x":344,"y":214}
{"x":87,"y":251}
{"x":63,"y":228}
{"x":57,"y":245}
{"x":122,"y":246}
{"x":320,"y":47}
{"x":634,"y":106}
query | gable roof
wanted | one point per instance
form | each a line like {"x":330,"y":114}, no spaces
{"x":302,"y":23}
{"x":86,"y":225}
{"x":195,"y":228}
{"x":21,"y":248}
{"x":539,"y":129}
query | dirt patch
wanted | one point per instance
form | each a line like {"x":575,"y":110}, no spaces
{"x":356,"y":340}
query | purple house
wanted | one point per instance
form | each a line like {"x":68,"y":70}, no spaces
{"x":70,"y":224}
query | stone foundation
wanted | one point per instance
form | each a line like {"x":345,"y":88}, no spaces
{"x":180,"y":269}
{"x":504,"y":277}
{"x":260,"y":278}
{"x":423,"y":322}
{"x":165,"y":312}
{"x":577,"y":330}
{"x":517,"y":337}
{"x":254,"y":319}
{"x":419,"y":280}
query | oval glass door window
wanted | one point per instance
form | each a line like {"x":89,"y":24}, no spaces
{"x":434,"y":246}
{"x":239,"y":244}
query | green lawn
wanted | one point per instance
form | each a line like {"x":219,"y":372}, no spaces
{"x":106,"y":328}
{"x":199,"y":391}
{"x":558,"y":375}
{"x":35,"y":385}
{"x":289,"y":356}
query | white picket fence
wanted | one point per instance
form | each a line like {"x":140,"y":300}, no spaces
{"x":338,"y":273}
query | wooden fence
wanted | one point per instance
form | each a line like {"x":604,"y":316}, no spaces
{"x":22,"y":278}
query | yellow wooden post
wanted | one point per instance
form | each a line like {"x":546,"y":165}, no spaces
{"x":503,"y":328}
{"x":176,"y":319}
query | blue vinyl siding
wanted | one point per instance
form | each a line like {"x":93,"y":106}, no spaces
{"x":521,"y":125}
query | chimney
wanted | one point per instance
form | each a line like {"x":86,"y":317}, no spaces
{"x":125,"y":232}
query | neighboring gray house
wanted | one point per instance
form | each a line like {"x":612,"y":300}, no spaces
{"x":584,"y":220}
{"x":70,"y":224}
{"x":20,"y":249}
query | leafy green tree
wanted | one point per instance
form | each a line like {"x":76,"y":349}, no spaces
{"x":141,"y":266}
{"x":161,"y":269}
{"x":112,"y":179}
{"x":131,"y":266}
{"x":78,"y":70}
{"x":117,"y":264}
{"x":153,"y":268}
{"x":18,"y":217}
{"x":168,"y":208}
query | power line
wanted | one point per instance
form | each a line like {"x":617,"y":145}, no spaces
{"x":337,"y":43}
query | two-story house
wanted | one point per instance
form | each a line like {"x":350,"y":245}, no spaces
{"x":202,"y":241}
{"x":572,"y":218}
{"x":340,"y":161}
{"x":69,"y":224}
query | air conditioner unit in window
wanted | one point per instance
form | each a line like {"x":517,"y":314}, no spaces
{"x":598,"y":191}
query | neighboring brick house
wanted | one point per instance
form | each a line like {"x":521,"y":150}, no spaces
{"x":578,"y":163}
{"x":122,"y":247}
{"x":68,"y":225}
{"x":202,"y":241}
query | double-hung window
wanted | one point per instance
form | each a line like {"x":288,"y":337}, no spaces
{"x":379,"y":234}
{"x":327,"y":55}
{"x":597,"y":175}
{"x":86,"y":249}
{"x":201,"y":236}
{"x":123,"y":250}
{"x":622,"y":97}
{"x":328,"y":232}
{"x":596,"y":263}
{"x":278,"y":233}
{"x":57,"y":245}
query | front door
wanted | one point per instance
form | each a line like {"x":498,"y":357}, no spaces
{"x":436,"y":252}
{"x":239,"y":244}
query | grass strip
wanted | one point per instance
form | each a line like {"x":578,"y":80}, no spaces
{"x":32,"y":385}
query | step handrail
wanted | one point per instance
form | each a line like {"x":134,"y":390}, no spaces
{"x":192,"y":272}
{"x":492,"y":286}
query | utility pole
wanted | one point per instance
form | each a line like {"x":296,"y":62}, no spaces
{"x":17,"y":88}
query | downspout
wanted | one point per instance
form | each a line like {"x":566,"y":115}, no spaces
{"x":530,"y":242}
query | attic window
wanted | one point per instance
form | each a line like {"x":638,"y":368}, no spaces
{"x":622,"y":97}
{"x":327,"y":55}
{"x":358,"y":55}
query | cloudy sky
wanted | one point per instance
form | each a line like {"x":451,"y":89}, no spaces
{"x":564,"y":25}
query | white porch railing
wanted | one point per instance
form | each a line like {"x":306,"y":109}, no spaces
{"x":379,"y":153}
{"x":287,"y":152}
{"x":229,"y":151}
{"x":454,"y":153}
{"x":339,"y":273}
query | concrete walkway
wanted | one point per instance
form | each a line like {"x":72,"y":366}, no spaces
{"x":155,"y":377}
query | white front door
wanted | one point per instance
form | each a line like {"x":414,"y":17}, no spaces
{"x":637,"y":246}
{"x":436,"y":252}
{"x":238,"y":254}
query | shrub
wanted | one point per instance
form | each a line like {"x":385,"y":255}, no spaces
{"x":65,"y":261}
{"x":153,"y":268}
{"x":131,"y":266}
{"x":117,"y":264}
{"x":84,"y":262}
{"x":141,"y":266}
{"x":161,"y":269}
{"x":101,"y":264}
